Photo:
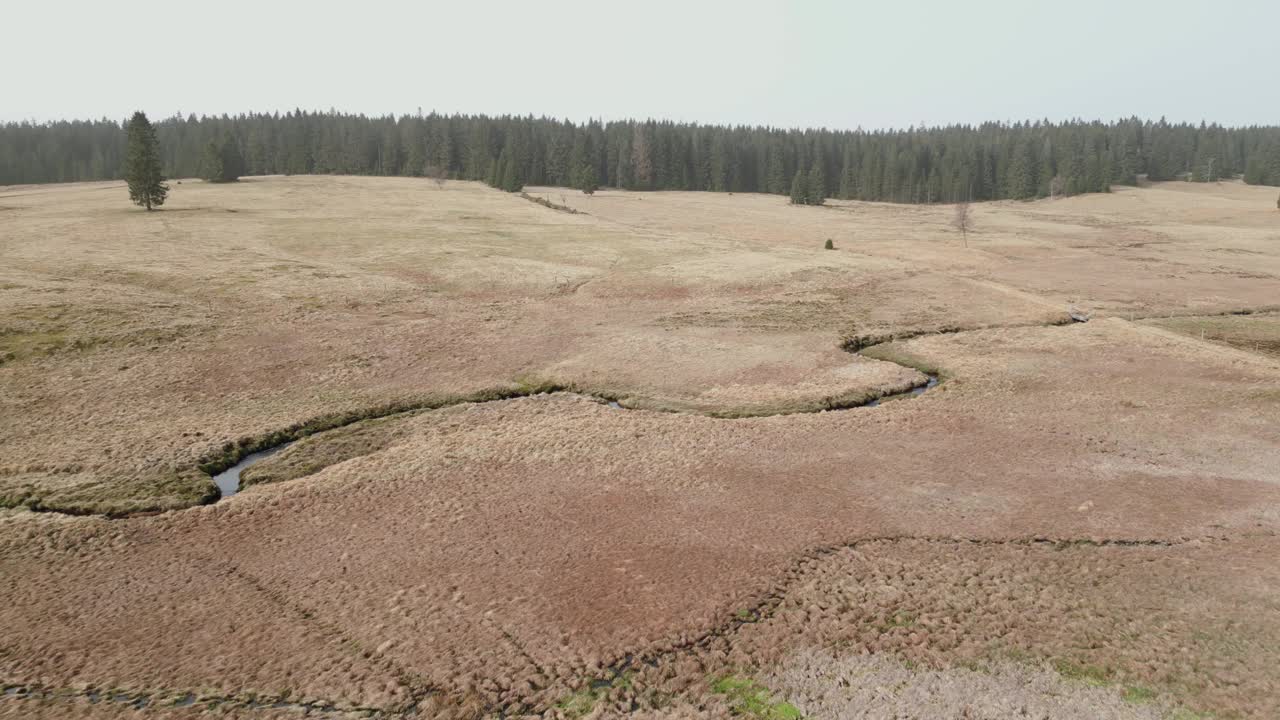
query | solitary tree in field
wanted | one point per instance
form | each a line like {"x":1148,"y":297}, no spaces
{"x":963,"y":221}
{"x":142,"y":164}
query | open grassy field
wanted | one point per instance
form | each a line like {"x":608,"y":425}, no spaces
{"x":1080,"y":520}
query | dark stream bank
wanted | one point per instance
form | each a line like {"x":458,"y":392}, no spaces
{"x":228,"y":481}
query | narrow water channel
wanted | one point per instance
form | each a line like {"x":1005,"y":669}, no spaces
{"x":228,"y":480}
{"x":933,"y":381}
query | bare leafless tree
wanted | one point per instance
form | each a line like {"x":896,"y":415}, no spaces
{"x":963,"y":220}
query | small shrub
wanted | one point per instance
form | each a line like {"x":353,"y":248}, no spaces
{"x":830,"y":245}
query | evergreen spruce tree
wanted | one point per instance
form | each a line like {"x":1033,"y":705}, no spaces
{"x":142,"y":164}
{"x":776,"y":182}
{"x":1124,"y":164}
{"x":587,"y":181}
{"x":211,"y":163}
{"x":1271,"y":170}
{"x":1253,"y":173}
{"x":585,"y":176}
{"x":1024,"y":173}
{"x":816,"y":190}
{"x":988,"y":162}
{"x":415,"y":160}
{"x":510,"y":172}
{"x":233,"y":165}
{"x":848,"y":177}
{"x":259,"y":162}
{"x":799,"y":189}
{"x":1044,"y":185}
{"x":222,"y":162}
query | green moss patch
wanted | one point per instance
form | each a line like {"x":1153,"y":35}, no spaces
{"x":1138,"y":694}
{"x":1088,"y":674}
{"x":749,"y":699}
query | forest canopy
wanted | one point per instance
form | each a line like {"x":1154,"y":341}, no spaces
{"x":918,"y":165}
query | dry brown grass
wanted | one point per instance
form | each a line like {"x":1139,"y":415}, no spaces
{"x":502,"y":554}
{"x":145,"y":341}
{"x":1258,"y":333}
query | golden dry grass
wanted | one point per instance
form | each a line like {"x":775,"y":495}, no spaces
{"x":147,"y":342}
{"x":499,"y":555}
{"x":1259,"y":333}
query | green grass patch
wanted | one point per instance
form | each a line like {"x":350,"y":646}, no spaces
{"x":585,"y":700}
{"x":156,"y":491}
{"x":1088,"y":674}
{"x":749,"y":699}
{"x":19,"y":345}
{"x":902,"y":619}
{"x":580,"y":703}
{"x":1138,"y":694}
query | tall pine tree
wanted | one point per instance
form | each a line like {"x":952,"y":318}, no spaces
{"x":987,"y":162}
{"x":211,"y":163}
{"x":222,"y":161}
{"x":799,"y":189}
{"x":816,"y":193}
{"x":142,"y":164}
{"x":509,"y":177}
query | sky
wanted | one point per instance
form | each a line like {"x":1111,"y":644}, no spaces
{"x":786,"y":64}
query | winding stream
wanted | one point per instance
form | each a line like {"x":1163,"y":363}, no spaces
{"x":228,"y":481}
{"x":933,"y":382}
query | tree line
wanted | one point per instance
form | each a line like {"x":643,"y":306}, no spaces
{"x":919,"y":165}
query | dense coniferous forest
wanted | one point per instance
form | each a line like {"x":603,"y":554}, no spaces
{"x":943,"y":164}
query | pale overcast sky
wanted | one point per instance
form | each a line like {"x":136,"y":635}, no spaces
{"x":836,"y":64}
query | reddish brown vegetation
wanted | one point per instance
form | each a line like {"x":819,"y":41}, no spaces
{"x":502,"y":555}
